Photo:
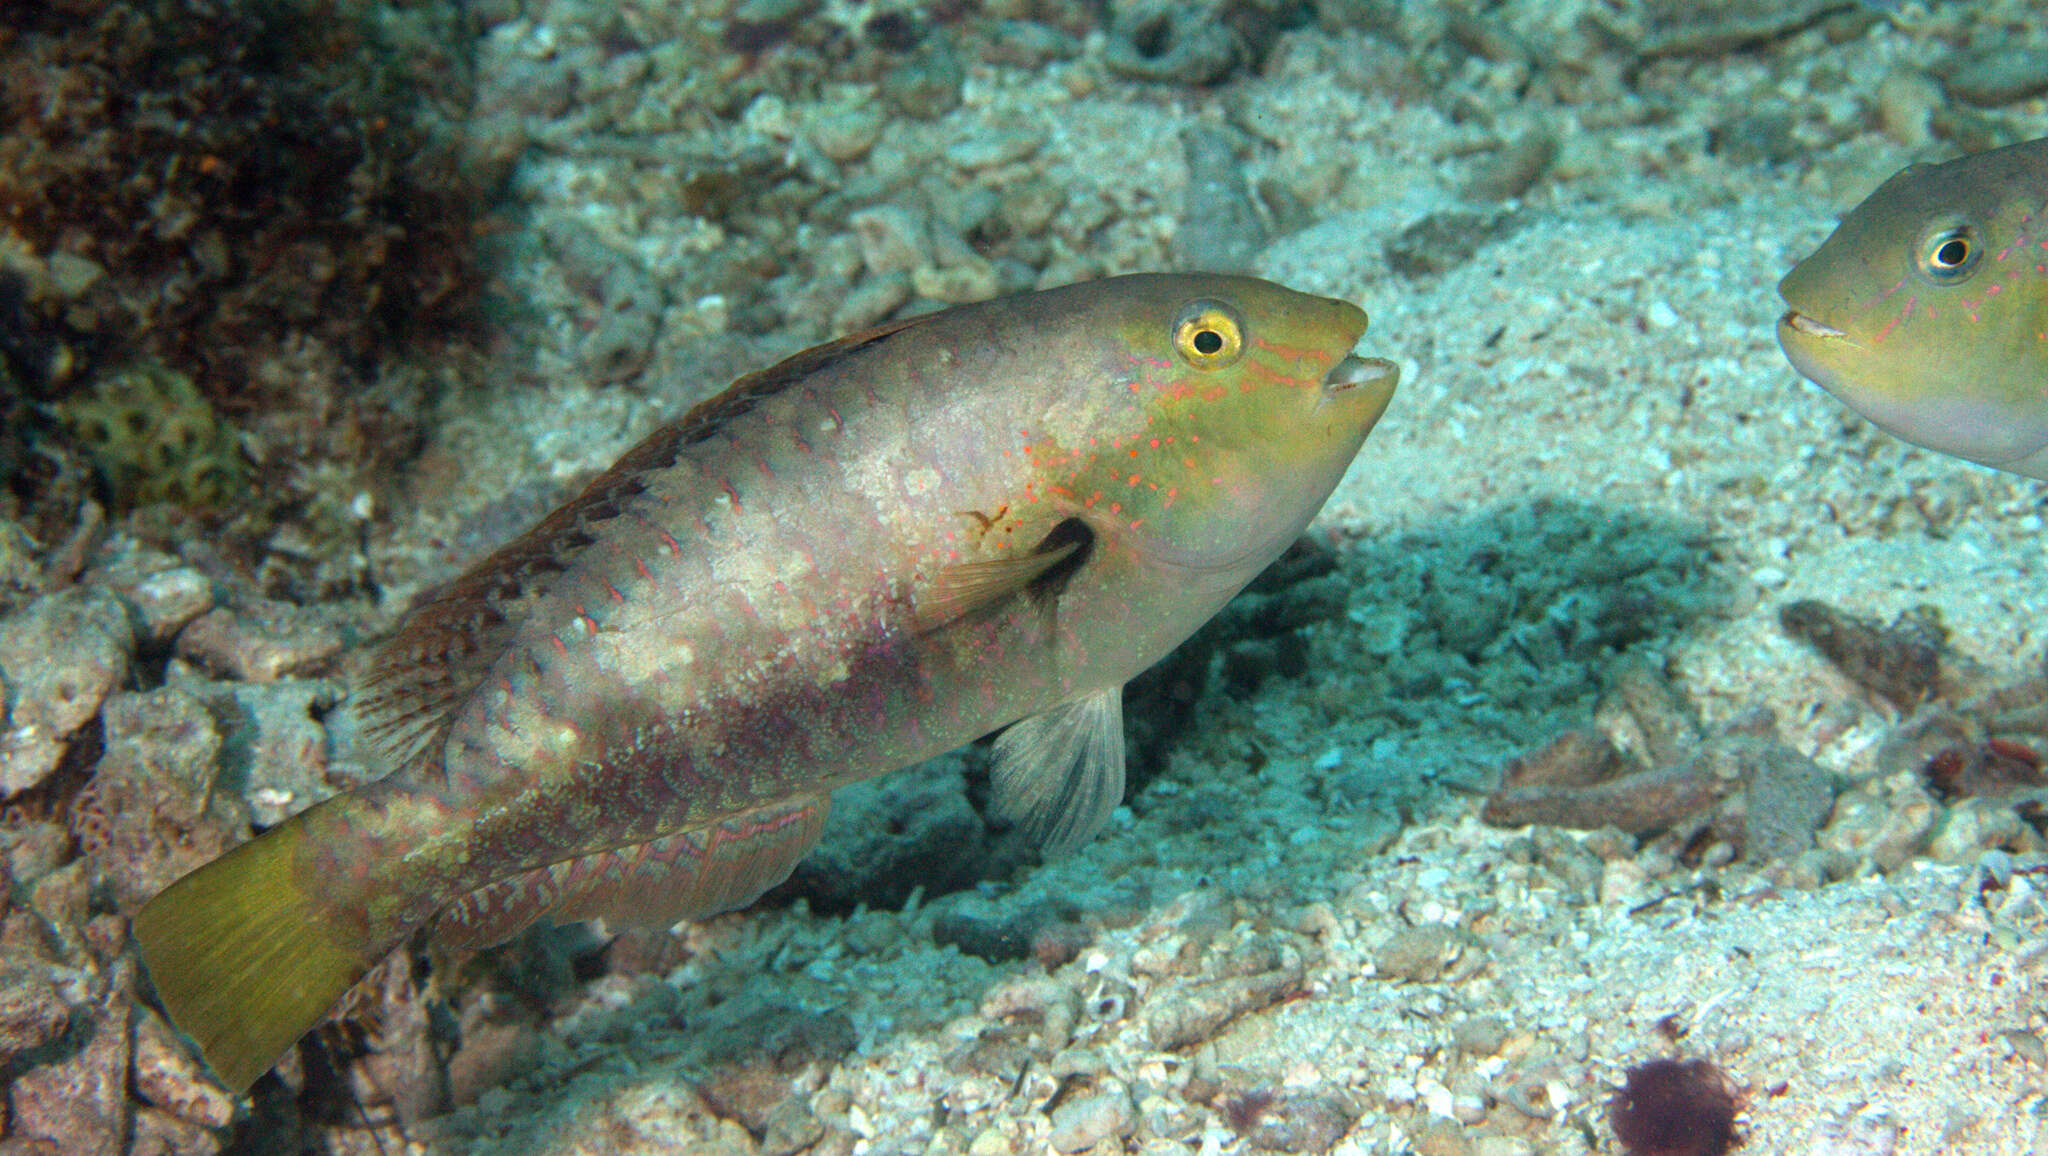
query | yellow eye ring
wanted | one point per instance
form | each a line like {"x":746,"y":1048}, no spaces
{"x":1208,"y":335}
{"x":1947,"y":254}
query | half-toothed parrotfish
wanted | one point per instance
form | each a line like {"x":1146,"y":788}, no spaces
{"x":871,"y":553}
{"x":1927,"y":309}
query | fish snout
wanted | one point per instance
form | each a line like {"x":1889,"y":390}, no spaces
{"x":1800,"y":323}
{"x":1370,"y":380}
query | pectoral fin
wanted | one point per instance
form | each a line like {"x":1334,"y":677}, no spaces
{"x":970,"y":588}
{"x":965,"y":589}
{"x":1060,"y":773}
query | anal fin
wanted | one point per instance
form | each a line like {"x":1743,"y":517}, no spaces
{"x":1059,"y":773}
{"x":687,"y":875}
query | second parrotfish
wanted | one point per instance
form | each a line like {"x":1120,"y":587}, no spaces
{"x":1927,"y":309}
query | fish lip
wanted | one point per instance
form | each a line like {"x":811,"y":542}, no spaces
{"x":1801,"y":323}
{"x":1373,"y":374}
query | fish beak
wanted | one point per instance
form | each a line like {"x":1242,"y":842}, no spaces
{"x":1800,"y":323}
{"x":1370,"y":380}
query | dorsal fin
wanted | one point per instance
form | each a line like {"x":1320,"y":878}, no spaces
{"x":440,"y":653}
{"x":411,"y":680}
{"x":706,"y":418}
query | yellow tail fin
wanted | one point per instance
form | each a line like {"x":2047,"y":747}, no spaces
{"x":242,"y":957}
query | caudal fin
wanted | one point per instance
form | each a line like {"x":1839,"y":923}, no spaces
{"x":243,"y":959}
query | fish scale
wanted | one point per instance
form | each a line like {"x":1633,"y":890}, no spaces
{"x":876,"y":551}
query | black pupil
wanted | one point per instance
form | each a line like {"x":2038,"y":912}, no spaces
{"x":1951,"y":253}
{"x":1208,"y":342}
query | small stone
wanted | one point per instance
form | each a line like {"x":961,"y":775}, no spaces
{"x":1418,"y":954}
{"x":1296,"y":1120}
{"x":32,"y":1013}
{"x":1481,"y":1036}
{"x":167,"y":1076}
{"x":162,"y":1134}
{"x":2025,"y":1045}
{"x":164,"y":602}
{"x":957,"y":284}
{"x":870,"y":302}
{"x":1899,"y":664}
{"x":995,"y":146}
{"x":927,"y":85}
{"x":261,"y":642}
{"x":791,"y":1128}
{"x":1515,"y":169}
{"x":61,"y":656}
{"x":1040,"y":999}
{"x":1176,"y":1018}
{"x":846,"y":133}
{"x":72,"y":275}
{"x":1788,"y":799}
{"x":1082,"y":1122}
{"x":1172,"y":43}
{"x":1441,"y":1138}
{"x":1028,"y":44}
{"x":1905,"y":830}
{"x":1029,"y":205}
{"x":1759,"y":136}
{"x":150,"y":812}
{"x":892,"y":238}
{"x":1973,"y":826}
{"x":1623,"y":884}
{"x":1906,"y":102}
{"x":274,"y":741}
{"x":80,"y":1101}
{"x":491,"y":1055}
{"x":1219,"y":229}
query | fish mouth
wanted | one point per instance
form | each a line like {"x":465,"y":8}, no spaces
{"x":1370,"y":378}
{"x":1800,"y":323}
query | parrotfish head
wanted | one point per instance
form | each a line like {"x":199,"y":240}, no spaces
{"x":1252,"y":406}
{"x":1927,"y":309}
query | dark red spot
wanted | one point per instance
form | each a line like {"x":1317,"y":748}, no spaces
{"x":1674,"y":1108}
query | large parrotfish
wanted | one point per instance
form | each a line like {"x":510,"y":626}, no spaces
{"x":871,"y":553}
{"x":1927,"y":309}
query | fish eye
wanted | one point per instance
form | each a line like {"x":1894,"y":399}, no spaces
{"x":1949,"y":253}
{"x":1208,"y":335}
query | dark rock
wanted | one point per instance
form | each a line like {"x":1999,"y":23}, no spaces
{"x":1000,"y":932}
{"x":80,"y":1101}
{"x":162,"y":1134}
{"x":1898,"y":664}
{"x":259,"y":643}
{"x":927,"y":84}
{"x":755,"y":1047}
{"x":1290,"y":1120}
{"x":32,"y":1013}
{"x":1761,"y":136}
{"x":1787,"y":800}
{"x":1515,"y":168}
{"x":1418,"y":954}
{"x":1445,"y":240}
{"x":1639,"y":804}
{"x":1219,"y":229}
{"x":2000,"y":75}
{"x":60,"y":656}
{"x":1176,"y":1017}
{"x":151,"y":812}
{"x":1172,"y":43}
